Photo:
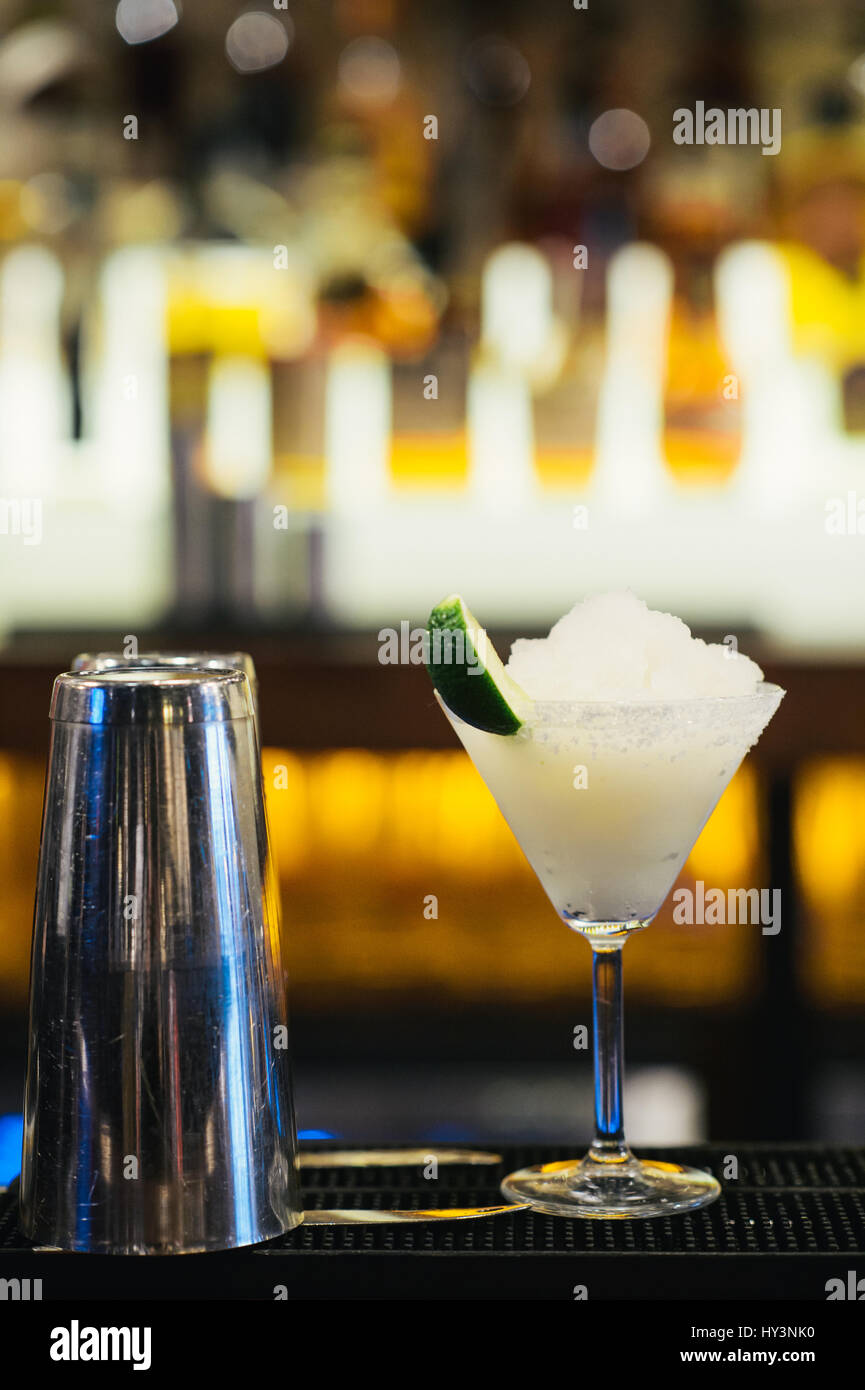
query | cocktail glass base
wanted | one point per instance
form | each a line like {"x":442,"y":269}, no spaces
{"x":612,"y":1187}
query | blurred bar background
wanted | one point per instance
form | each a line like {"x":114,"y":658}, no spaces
{"x":313,"y":313}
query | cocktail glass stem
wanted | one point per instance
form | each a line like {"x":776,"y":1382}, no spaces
{"x":608,"y":1049}
{"x":610,"y":1180}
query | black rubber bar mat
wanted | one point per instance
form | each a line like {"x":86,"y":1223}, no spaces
{"x":791,"y":1221}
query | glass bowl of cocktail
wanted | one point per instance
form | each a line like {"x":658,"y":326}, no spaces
{"x":606,"y":747}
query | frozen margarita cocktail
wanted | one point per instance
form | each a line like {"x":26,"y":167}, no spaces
{"x":606,"y":746}
{"x":627,"y":738}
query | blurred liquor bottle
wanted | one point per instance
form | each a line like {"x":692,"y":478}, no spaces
{"x":567,"y":392}
{"x":702,"y":431}
{"x":820,"y":185}
{"x":428,"y":442}
{"x":237,"y":322}
{"x":695,"y":212}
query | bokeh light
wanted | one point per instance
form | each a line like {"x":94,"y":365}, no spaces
{"x":619,"y":139}
{"x":139,"y":21}
{"x":48,"y":203}
{"x":38,"y":54}
{"x":856,"y":74}
{"x":258,"y":41}
{"x":369,"y":70}
{"x":496,"y":72}
{"x":11,"y":1138}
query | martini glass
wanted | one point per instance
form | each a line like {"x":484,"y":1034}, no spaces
{"x":606,"y":799}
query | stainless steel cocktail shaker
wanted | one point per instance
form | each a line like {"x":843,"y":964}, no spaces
{"x":158,"y":1108}
{"x":93,"y":662}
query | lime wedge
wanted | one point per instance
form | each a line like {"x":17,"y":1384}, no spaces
{"x":468,"y":674}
